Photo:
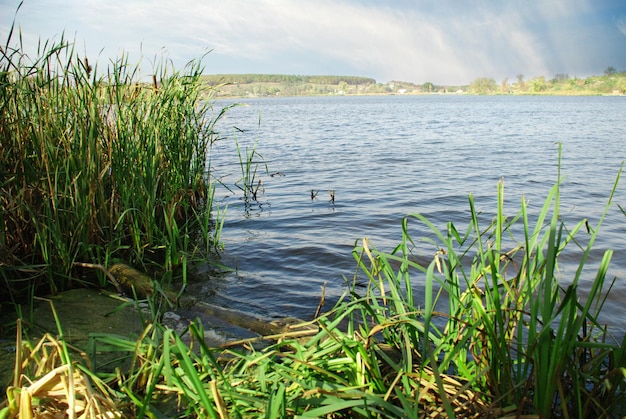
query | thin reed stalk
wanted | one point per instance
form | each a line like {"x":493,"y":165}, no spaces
{"x":250,"y":183}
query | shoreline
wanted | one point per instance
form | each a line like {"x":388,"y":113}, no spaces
{"x":572,"y":94}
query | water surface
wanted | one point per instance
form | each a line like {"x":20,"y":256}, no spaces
{"x":388,"y":156}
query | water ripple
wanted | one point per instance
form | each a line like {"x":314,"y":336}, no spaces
{"x":386,"y":157}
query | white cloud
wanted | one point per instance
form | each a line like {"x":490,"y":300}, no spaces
{"x":621,"y":25}
{"x":442,"y":42}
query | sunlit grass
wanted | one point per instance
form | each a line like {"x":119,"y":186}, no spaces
{"x":500,"y":317}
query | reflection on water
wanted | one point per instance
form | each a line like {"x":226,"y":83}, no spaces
{"x":386,"y":157}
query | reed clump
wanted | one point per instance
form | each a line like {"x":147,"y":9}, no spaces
{"x":497,"y":315}
{"x":96,"y":166}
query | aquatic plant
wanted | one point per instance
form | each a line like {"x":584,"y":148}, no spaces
{"x":497,"y":315}
{"x":250,"y":182}
{"x":96,"y":166}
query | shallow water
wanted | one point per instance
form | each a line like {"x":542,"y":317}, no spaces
{"x":388,"y":156}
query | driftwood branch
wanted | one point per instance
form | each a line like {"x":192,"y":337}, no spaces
{"x":108,"y":274}
{"x":322,"y":299}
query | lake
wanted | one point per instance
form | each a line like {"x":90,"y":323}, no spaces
{"x":388,"y":156}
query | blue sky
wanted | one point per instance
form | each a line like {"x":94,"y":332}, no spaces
{"x":442,"y":41}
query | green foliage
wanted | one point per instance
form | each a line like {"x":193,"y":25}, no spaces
{"x":274,"y":85}
{"x":483,"y":86}
{"x":562,"y":84}
{"x":524,"y":339}
{"x":241,"y":85}
{"x":620,"y":85}
{"x":95,"y":167}
{"x":538,"y":84}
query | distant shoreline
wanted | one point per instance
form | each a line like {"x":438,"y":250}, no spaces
{"x":572,"y":94}
{"x":275,"y":85}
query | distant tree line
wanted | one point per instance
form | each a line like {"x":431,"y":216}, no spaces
{"x":252,"y":85}
{"x":612,"y":82}
{"x":216,"y":79}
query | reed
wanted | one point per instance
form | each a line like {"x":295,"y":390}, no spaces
{"x":250,"y":182}
{"x":97,"y":166}
{"x":497,"y":314}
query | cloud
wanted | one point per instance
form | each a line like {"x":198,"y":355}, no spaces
{"x":621,"y":25}
{"x":442,"y":42}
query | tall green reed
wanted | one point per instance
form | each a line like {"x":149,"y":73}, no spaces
{"x":497,"y":313}
{"x":96,"y":165}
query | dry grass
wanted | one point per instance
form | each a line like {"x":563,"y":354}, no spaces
{"x":61,"y":387}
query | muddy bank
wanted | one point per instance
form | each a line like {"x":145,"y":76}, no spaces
{"x":81,"y":312}
{"x":84,"y":312}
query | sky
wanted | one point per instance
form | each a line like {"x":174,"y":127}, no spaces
{"x":445,"y":42}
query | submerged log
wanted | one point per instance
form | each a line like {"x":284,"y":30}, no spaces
{"x":262,"y":327}
{"x":138,"y":282}
{"x":143,"y":286}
